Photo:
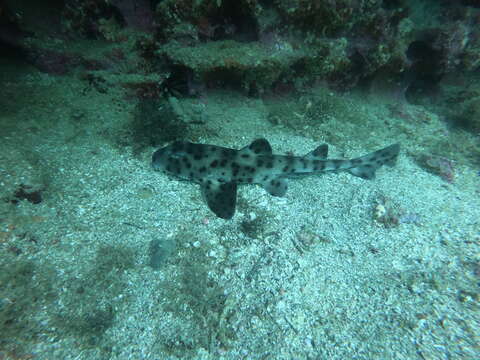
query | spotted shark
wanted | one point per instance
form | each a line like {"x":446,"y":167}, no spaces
{"x":219,"y":170}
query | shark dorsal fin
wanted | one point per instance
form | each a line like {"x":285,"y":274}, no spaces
{"x":221,"y":198}
{"x":320,"y":153}
{"x":258,"y":147}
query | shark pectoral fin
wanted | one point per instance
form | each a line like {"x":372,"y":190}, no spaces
{"x":320,"y":153}
{"x":221,"y":198}
{"x":276,"y":187}
{"x":257,"y":147}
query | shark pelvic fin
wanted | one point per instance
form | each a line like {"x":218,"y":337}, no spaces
{"x":276,"y":186}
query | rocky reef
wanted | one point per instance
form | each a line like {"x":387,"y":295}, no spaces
{"x":409,"y":49}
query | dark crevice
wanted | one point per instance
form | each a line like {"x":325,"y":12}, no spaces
{"x":232,"y":21}
{"x":425,"y":71}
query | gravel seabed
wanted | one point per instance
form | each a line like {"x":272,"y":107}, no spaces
{"x":139,"y":268}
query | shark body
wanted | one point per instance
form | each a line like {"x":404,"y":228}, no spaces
{"x":219,"y":170}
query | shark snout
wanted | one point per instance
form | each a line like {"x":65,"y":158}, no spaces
{"x":157,"y":158}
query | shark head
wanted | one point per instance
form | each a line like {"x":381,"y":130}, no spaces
{"x":160,"y":158}
{"x":164,"y":158}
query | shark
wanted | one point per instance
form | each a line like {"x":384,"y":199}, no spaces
{"x":219,"y":170}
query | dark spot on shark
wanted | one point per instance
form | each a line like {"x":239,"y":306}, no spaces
{"x":197,"y":151}
{"x":285,"y":169}
{"x":223,"y":163}
{"x":214,"y":164}
{"x":202,"y":169}
{"x":177,"y":146}
{"x":245,"y":156}
{"x":321,"y":166}
{"x":187,"y":162}
{"x":235,"y":169}
{"x":259,"y":162}
{"x":228,"y":153}
{"x":190,"y":148}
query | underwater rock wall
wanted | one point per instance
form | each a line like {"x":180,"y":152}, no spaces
{"x":257,"y":47}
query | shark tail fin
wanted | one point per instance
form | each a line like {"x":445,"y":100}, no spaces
{"x":366,"y":166}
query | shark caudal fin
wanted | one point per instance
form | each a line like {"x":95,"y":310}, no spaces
{"x":366,"y":166}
